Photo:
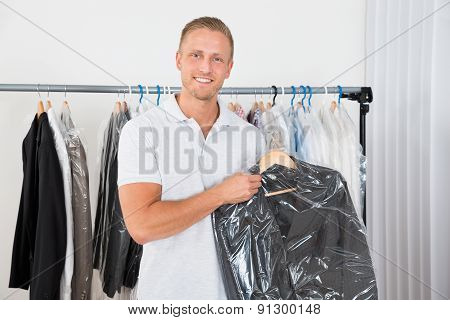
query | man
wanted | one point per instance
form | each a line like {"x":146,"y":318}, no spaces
{"x":181,"y":161}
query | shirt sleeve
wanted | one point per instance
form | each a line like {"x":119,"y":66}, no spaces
{"x":137,"y":161}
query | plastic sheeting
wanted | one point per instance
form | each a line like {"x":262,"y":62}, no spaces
{"x":81,"y":208}
{"x":305,"y":244}
{"x":116,"y":255}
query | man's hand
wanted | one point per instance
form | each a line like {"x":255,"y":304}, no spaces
{"x":237,"y":188}
{"x":148,"y":218}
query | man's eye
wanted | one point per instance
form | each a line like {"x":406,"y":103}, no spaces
{"x":195,"y":55}
{"x":218,"y":59}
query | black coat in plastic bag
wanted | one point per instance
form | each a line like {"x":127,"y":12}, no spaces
{"x":304,"y":244}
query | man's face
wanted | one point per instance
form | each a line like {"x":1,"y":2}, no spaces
{"x":204,"y":60}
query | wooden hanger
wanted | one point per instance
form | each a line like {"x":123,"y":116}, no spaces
{"x":117,"y":107}
{"x":231,"y":107}
{"x":333,"y":105}
{"x":65,"y":103}
{"x":261,"y":106}
{"x":49,"y":104}
{"x":276,"y":157}
{"x":40,"y":109}
{"x":254,"y":107}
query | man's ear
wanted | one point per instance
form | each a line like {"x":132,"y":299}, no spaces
{"x":177,"y":60}
{"x":230,"y":66}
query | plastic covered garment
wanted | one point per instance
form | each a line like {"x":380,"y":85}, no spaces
{"x":58,"y":130}
{"x":303,"y":244}
{"x":116,"y":255}
{"x":81,"y":208}
{"x":275,"y":130}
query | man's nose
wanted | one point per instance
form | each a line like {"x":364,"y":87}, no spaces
{"x":205,"y":66}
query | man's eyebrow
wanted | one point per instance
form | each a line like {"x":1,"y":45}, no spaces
{"x":201,"y":51}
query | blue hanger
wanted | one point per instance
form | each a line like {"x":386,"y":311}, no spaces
{"x":159,"y":94}
{"x":141,"y":92}
{"x":310,"y":95}
{"x":304,"y":95}
{"x":293,"y":96}
{"x":340,"y":95}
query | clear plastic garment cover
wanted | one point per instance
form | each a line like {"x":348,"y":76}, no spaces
{"x":307,"y":243}
{"x":116,"y":255}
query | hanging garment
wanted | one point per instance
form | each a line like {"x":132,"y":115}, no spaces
{"x":280,"y":113}
{"x":25,"y":234}
{"x":40,"y":240}
{"x":303,"y":244}
{"x":323,"y":145}
{"x":254,"y":116}
{"x":116,"y":255}
{"x":353,"y":156}
{"x":251,"y":114}
{"x":257,"y":118}
{"x":306,"y":148}
{"x":81,"y":209}
{"x":239,"y":111}
{"x":333,"y":136}
{"x":274,"y":132}
{"x":54,"y":118}
{"x":100,"y":222}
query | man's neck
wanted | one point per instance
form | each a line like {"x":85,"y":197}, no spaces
{"x":205,"y":113}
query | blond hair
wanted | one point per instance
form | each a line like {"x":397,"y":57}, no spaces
{"x":211,"y":23}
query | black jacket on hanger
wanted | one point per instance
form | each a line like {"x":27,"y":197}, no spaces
{"x":23,"y":248}
{"x":304,"y":244}
{"x":40,"y":241}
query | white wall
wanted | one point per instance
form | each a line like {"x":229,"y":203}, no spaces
{"x":283,"y":43}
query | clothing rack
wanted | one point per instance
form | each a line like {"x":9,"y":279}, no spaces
{"x":363,"y":95}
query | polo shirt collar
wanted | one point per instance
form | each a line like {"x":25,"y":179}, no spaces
{"x":174,"y":113}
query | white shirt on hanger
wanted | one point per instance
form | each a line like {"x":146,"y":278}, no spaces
{"x":163,"y":146}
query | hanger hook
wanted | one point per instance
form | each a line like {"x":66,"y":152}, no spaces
{"x":65,"y":91}
{"x":141,"y":92}
{"x":159,"y":94}
{"x":48,"y":92}
{"x":37,"y":89}
{"x":310,"y":95}
{"x":169,"y":90}
{"x":293,"y":96}
{"x":326,"y":90}
{"x":276,"y":93}
{"x":340,"y":95}
{"x":304,"y":95}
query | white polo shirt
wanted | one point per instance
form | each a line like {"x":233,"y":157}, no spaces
{"x":164,"y":146}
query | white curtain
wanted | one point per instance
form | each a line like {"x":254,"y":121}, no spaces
{"x":408,"y":147}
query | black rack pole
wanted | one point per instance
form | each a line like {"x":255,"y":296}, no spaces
{"x":364,"y":98}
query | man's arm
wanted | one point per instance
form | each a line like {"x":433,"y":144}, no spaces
{"x":148,"y":218}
